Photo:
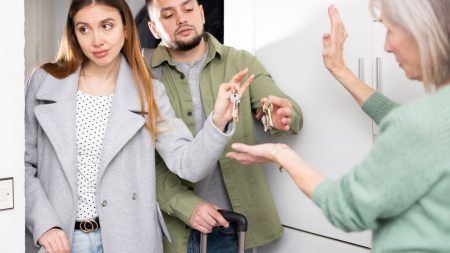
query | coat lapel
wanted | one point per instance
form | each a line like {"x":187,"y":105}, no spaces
{"x":57,"y":115}
{"x":124,"y":119}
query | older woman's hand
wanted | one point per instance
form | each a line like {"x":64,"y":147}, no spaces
{"x":333,"y":43}
{"x":255,"y":154}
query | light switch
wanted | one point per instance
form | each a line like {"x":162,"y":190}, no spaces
{"x":6,"y":193}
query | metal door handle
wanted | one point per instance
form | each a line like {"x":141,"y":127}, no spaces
{"x":361,"y":69}
{"x":379,"y":76}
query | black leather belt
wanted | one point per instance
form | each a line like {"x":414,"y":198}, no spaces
{"x":87,"y":226}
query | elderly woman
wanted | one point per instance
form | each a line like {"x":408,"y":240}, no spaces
{"x":401,"y":189}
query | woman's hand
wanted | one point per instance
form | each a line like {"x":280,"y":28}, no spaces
{"x":55,"y":241}
{"x":224,"y":106}
{"x":304,"y":176}
{"x":333,"y":44}
{"x":255,"y":154}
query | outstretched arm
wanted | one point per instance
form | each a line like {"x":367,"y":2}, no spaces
{"x":304,"y":176}
{"x":333,"y":58}
{"x":174,"y":141}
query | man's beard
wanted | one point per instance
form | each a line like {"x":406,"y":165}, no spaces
{"x":185,"y":46}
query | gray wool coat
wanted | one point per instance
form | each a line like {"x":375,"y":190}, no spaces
{"x":126,"y":203}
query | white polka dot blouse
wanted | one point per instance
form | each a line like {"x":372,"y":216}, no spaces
{"x":91,"y":120}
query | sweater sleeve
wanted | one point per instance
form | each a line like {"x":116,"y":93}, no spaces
{"x":398,"y":171}
{"x":177,"y":147}
{"x":378,"y":106}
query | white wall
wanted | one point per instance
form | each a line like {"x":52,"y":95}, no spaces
{"x":12,"y":127}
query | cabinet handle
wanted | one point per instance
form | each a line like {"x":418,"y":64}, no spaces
{"x":361,"y":69}
{"x":378,"y":87}
{"x":379,"y":70}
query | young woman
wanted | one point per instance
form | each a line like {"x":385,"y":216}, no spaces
{"x":94,"y":120}
{"x":400,"y":191}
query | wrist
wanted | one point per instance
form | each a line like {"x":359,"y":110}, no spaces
{"x":219,"y":121}
{"x":275,"y":154}
{"x":340,"y":72}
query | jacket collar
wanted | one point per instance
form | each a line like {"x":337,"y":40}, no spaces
{"x":59,"y":90}
{"x":58,"y":119}
{"x":161,"y":54}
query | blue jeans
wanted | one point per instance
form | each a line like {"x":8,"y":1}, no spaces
{"x":217,"y":243}
{"x":87,"y":242}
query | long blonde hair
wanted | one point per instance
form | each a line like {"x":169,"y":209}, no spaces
{"x":70,"y":56}
{"x":428,"y":22}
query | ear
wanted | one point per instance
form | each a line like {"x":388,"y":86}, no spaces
{"x":202,"y":13}
{"x":152,"y":27}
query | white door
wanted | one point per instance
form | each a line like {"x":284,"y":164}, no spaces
{"x":12,"y":201}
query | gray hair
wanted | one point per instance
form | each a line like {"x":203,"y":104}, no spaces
{"x":428,"y":22}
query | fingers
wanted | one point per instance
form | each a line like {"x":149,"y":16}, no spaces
{"x":282,"y":112}
{"x":58,"y":245}
{"x":55,"y":241}
{"x":245,"y":85}
{"x":277,"y":102}
{"x":281,"y":102}
{"x":331,"y":14}
{"x":337,"y":26}
{"x":326,"y":38}
{"x":240,"y":147}
{"x":47,"y":246}
{"x":240,"y":157}
{"x":205,"y":216}
{"x":237,"y":78}
{"x":219,"y":218}
{"x":64,"y":242}
{"x":285,"y":124}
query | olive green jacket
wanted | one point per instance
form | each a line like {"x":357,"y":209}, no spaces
{"x":246,"y":185}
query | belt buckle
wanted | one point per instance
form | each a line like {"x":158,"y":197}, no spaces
{"x":88,"y":226}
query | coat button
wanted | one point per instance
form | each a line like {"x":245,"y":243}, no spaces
{"x":189,"y":114}
{"x":134,"y":196}
{"x":181,"y":76}
{"x":104,"y":203}
{"x":191,"y":188}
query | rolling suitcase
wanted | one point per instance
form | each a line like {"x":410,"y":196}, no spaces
{"x":237,"y":221}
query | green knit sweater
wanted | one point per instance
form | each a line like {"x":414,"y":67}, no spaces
{"x":401,"y":190}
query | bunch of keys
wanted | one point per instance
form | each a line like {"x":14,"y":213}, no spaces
{"x":264,"y":114}
{"x":235,"y":99}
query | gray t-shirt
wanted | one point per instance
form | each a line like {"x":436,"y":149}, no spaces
{"x":212,"y":187}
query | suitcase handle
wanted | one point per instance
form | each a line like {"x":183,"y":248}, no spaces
{"x":237,"y":220}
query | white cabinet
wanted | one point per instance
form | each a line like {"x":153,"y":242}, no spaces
{"x":287,"y":37}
